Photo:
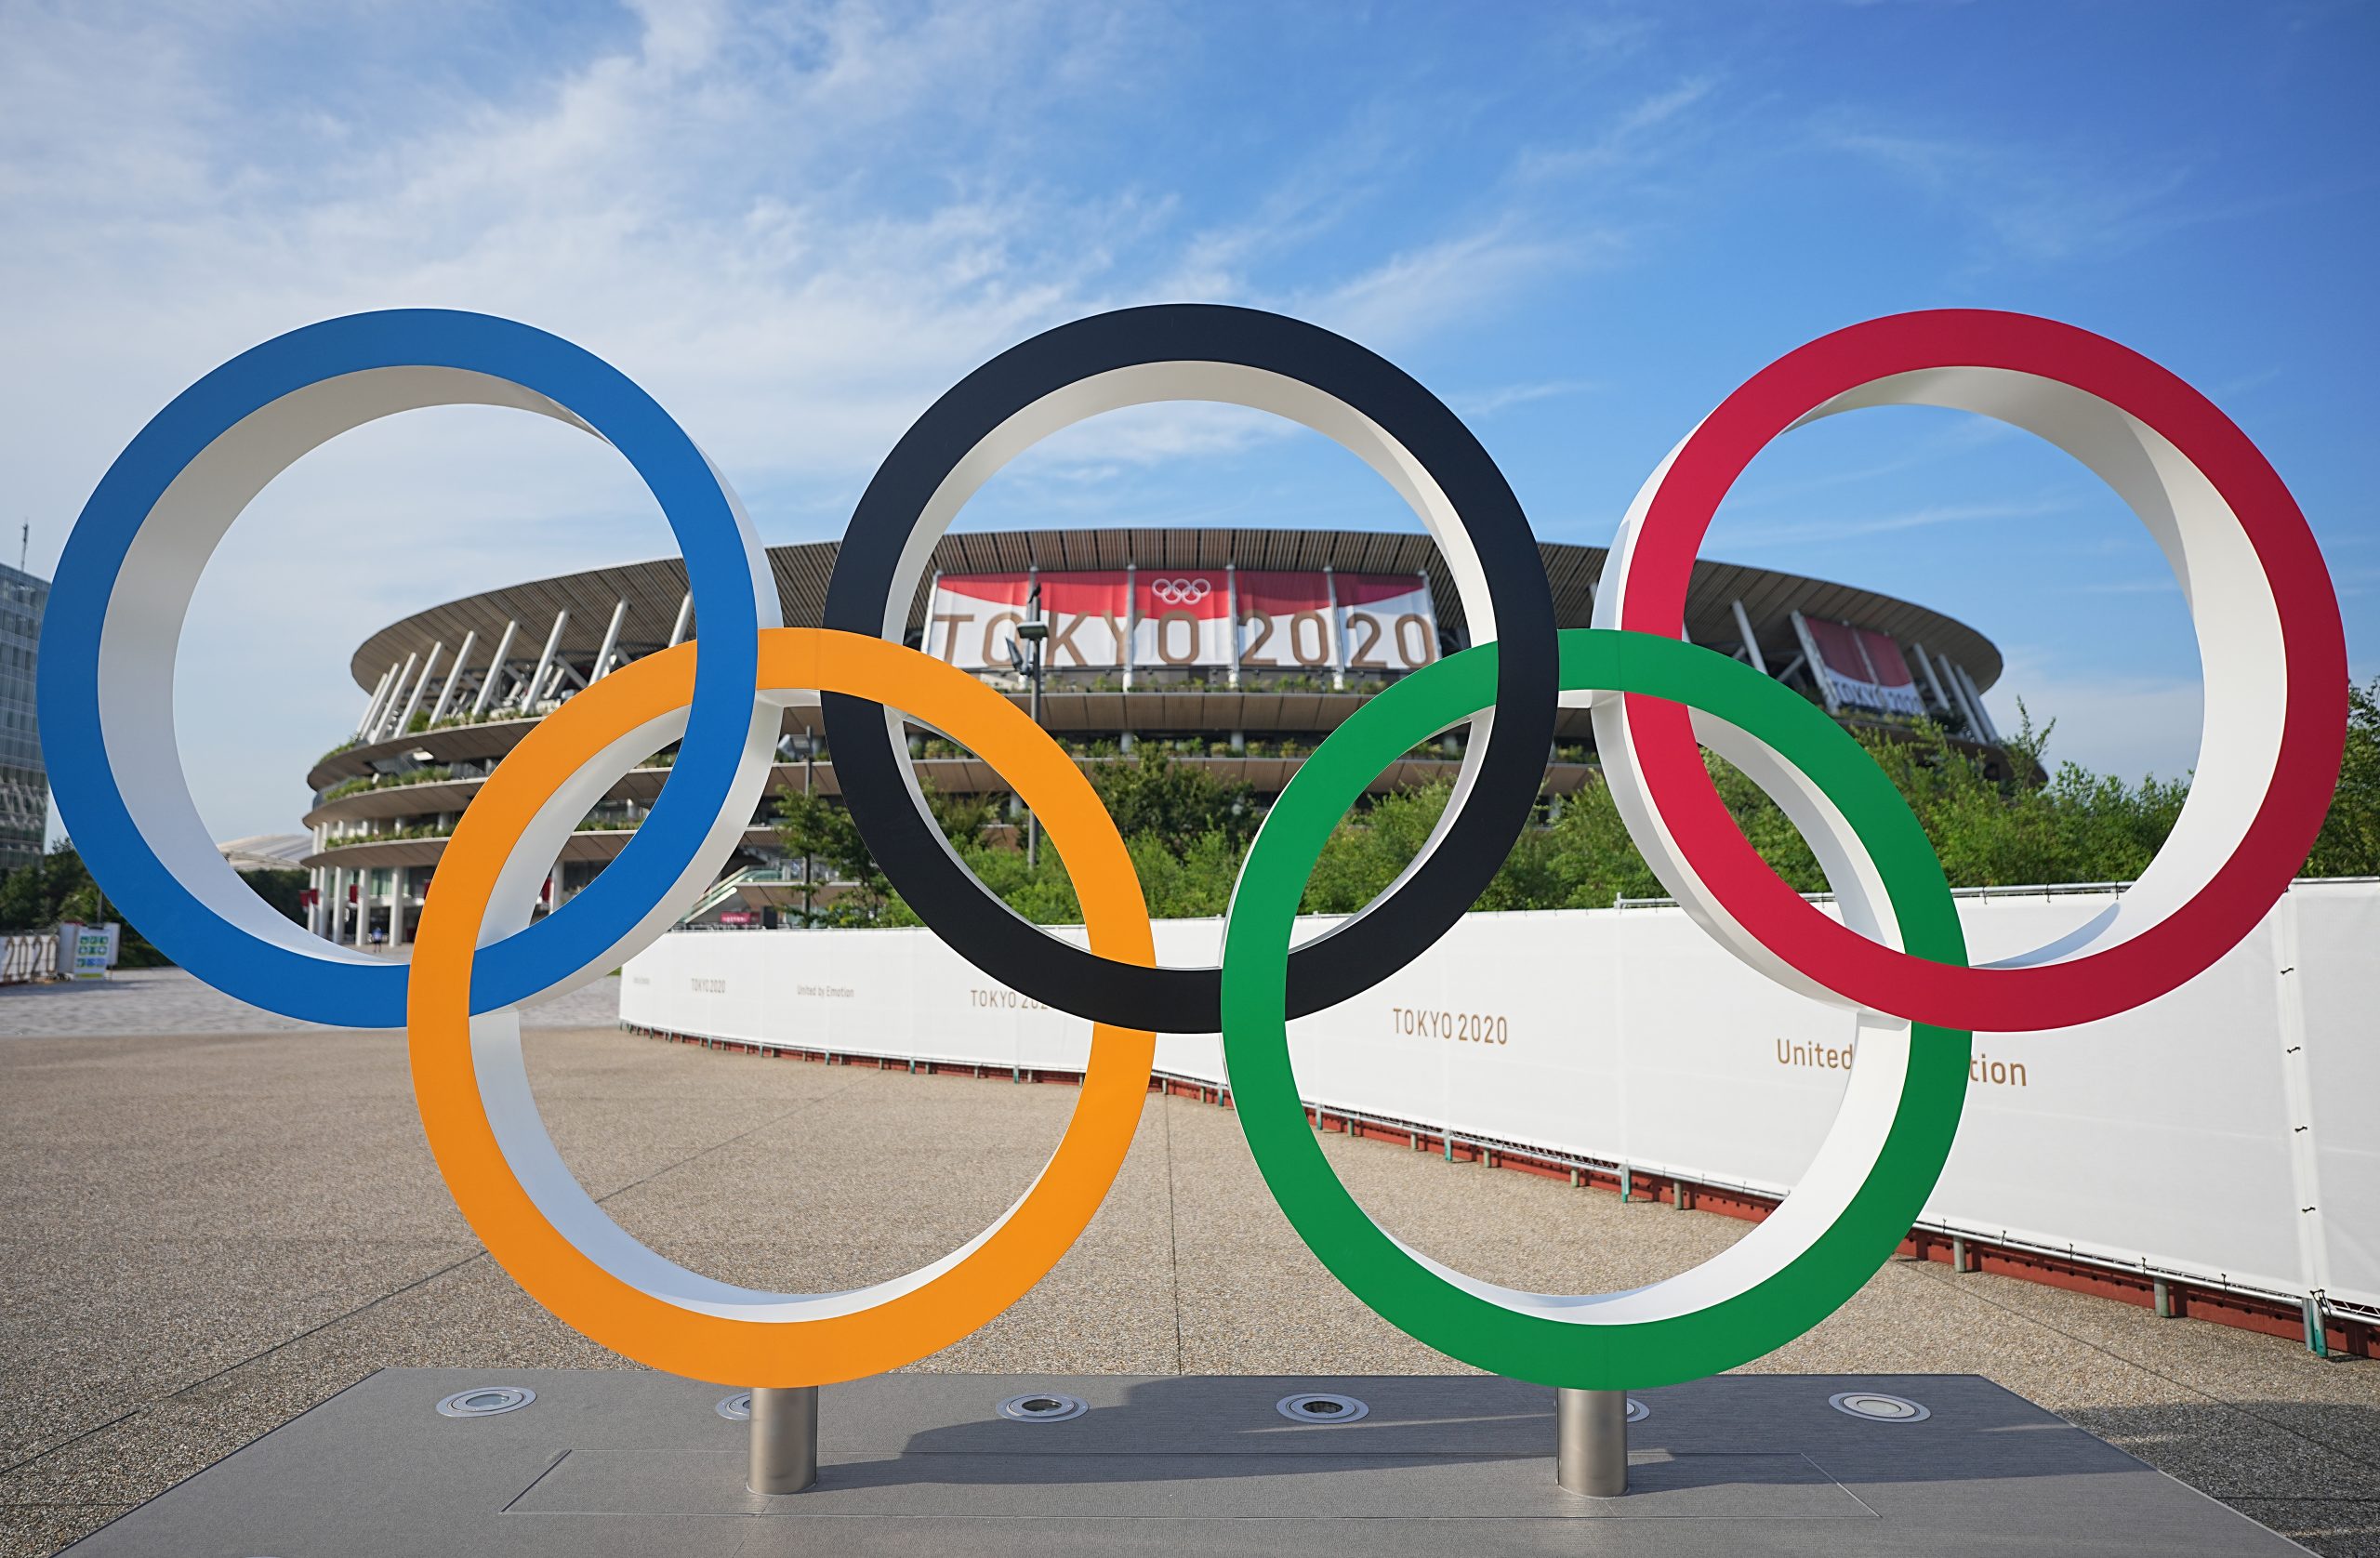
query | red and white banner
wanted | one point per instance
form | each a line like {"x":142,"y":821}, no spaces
{"x":973,"y":621}
{"x":1385,"y":621}
{"x":1182,"y":616}
{"x":1866,"y":668}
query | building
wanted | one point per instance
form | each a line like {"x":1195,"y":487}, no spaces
{"x":266,"y":851}
{"x":24,"y":779}
{"x":1234,"y":650}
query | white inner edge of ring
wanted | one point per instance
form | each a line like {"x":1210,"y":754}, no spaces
{"x":1227,"y":384}
{"x":152,"y":597}
{"x":1854,"y":1142}
{"x":2232,"y":611}
{"x":512,"y":1106}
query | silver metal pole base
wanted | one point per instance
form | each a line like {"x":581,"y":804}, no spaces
{"x":785,"y":1440}
{"x":1590,"y":1445}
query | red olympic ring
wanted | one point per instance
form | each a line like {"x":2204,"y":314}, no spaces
{"x":2233,"y":898}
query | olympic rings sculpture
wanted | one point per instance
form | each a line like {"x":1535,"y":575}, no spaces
{"x":2267,"y":619}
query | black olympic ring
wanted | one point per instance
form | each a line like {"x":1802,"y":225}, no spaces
{"x":886,"y":546}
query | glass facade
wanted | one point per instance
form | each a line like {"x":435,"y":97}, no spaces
{"x":24,"y":782}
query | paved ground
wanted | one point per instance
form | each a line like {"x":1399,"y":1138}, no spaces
{"x":206,"y":1234}
{"x":168,"y":1001}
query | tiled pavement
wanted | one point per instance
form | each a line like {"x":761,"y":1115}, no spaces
{"x":210,"y":1228}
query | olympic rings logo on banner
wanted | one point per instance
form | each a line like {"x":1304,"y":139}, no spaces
{"x":2267,"y":621}
{"x":1181,"y":592}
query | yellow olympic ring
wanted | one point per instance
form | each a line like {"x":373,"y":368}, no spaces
{"x":733,"y":1336}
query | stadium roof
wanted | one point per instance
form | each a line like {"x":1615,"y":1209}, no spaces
{"x":654,"y":590}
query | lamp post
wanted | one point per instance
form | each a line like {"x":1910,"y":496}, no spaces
{"x":1034,"y":632}
{"x":809,"y":761}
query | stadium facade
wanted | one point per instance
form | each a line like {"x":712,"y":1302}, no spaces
{"x":24,"y":780}
{"x":1235,"y":651}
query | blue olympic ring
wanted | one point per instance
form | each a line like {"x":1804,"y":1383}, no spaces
{"x":91,"y":669}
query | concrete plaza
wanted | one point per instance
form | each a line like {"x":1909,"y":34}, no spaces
{"x":213,"y":1219}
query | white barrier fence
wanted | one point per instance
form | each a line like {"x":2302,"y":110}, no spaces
{"x":2228,"y":1132}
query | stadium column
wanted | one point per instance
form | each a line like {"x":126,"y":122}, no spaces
{"x":1817,"y":662}
{"x":1967,"y":711}
{"x":396,"y":907}
{"x":535,"y":686}
{"x":685,"y":615}
{"x":1753,"y":656}
{"x":611,"y":642}
{"x":372,"y":705}
{"x":388,"y":710}
{"x":1926,"y":664}
{"x":1231,"y":626}
{"x":1975,"y":696}
{"x":455,"y":676}
{"x":495,"y":670}
{"x":421,"y":686}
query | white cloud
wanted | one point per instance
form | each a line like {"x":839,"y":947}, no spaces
{"x":794,"y":225}
{"x":1483,"y":403}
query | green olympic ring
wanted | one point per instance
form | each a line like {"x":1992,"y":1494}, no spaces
{"x":1790,"y":1272}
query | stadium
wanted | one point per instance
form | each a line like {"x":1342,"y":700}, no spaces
{"x":1237,"y":651}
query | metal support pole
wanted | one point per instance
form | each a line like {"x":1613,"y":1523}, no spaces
{"x":2318,"y":1340}
{"x":1231,"y":630}
{"x":809,"y":768}
{"x":1132,"y":623}
{"x":1035,"y":635}
{"x":1337,"y":641}
{"x":785,"y":1440}
{"x":1591,"y":1442}
{"x":685,"y":614}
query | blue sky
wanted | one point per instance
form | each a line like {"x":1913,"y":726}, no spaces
{"x":1582,"y":226}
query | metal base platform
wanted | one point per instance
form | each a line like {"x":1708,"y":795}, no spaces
{"x":621,"y":1462}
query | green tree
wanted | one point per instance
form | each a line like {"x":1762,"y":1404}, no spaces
{"x":1151,"y":795}
{"x":57,"y":887}
{"x":821,"y":830}
{"x":1187,"y":833}
{"x":2349,"y":845}
{"x":284,"y":890}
